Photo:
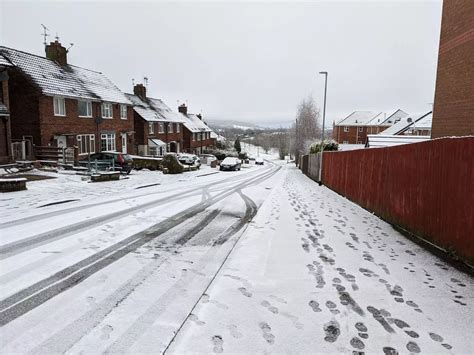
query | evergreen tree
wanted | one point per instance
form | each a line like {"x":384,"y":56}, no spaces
{"x":237,"y":145}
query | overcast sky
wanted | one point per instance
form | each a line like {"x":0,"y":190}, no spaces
{"x":249,"y":61}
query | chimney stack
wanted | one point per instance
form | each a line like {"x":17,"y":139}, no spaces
{"x":183,"y":109}
{"x":199,"y":116}
{"x":140,"y":91}
{"x":55,"y":51}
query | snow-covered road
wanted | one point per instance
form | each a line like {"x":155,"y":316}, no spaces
{"x":170,"y":264}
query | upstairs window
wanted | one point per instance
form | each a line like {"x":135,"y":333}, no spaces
{"x":84,"y":108}
{"x":361,"y":129}
{"x":59,"y":106}
{"x":177,"y":127}
{"x":161,"y":127}
{"x":107,"y":110}
{"x":123,"y":112}
{"x":170,"y":128}
{"x":151,"y":128}
{"x":346,"y":129}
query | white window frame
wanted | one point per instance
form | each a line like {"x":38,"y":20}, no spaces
{"x":346,"y":129}
{"x":86,"y":137}
{"x":360,"y":129}
{"x":107,"y":106}
{"x":151,"y":128}
{"x":177,"y":127}
{"x":110,"y":143}
{"x":59,"y":104}
{"x":161,"y":127}
{"x":123,"y":112}
{"x":88,"y":108}
{"x":170,"y":127}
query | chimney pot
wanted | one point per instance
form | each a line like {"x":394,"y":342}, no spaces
{"x":55,"y":51}
{"x":140,"y":91}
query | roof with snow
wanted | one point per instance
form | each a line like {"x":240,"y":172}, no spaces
{"x":194,"y":124}
{"x":372,"y":118}
{"x":359,"y":118}
{"x":154,"y":110}
{"x":380,"y":140}
{"x":67,"y":81}
{"x":409,"y":121}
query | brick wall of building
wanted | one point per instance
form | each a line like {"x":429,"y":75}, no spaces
{"x":71,"y":125}
{"x":453,"y":113}
{"x":355,"y":135}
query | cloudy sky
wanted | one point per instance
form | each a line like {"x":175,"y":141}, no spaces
{"x":248,"y":61}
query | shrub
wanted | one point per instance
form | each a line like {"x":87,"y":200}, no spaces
{"x":329,"y":145}
{"x":171,"y":164}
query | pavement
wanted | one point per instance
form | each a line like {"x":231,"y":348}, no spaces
{"x":258,"y":261}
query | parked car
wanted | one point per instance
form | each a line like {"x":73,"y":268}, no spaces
{"x":122,"y":162}
{"x":207,"y":158}
{"x":230,"y":163}
{"x":259,"y":161}
{"x":251,"y":157}
{"x":189,"y":159}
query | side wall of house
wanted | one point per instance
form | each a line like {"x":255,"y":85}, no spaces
{"x":453,"y":113}
{"x":5,"y":130}
{"x":24,"y":107}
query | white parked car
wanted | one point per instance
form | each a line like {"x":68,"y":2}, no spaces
{"x":189,"y":159}
{"x":259,"y":161}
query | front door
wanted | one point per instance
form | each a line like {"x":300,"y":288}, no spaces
{"x":62,"y":142}
{"x":124,"y":143}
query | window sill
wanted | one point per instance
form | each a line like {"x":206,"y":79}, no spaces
{"x":85,"y":116}
{"x":108,"y":118}
{"x":55,"y":115}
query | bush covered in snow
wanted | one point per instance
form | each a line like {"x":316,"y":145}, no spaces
{"x":329,"y":145}
{"x":171,"y":164}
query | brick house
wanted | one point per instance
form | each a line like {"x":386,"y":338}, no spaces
{"x":5,"y":131}
{"x":354,"y":128}
{"x":158,"y":129}
{"x":53,"y":103}
{"x":197,"y":135}
{"x":453,"y":113}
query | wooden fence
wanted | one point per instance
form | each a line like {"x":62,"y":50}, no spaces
{"x":426,"y":188}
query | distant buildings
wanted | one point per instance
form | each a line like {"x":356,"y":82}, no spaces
{"x":354,"y":128}
{"x":454,"y":98}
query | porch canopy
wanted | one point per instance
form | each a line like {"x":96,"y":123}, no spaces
{"x":156,"y":142}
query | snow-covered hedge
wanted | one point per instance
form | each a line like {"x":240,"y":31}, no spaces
{"x":329,"y":145}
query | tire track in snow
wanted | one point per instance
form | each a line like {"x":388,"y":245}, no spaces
{"x":14,"y":248}
{"x":31,"y":297}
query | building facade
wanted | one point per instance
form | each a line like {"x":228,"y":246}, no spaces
{"x":197,"y":134}
{"x":53,"y":103}
{"x":158,"y":129}
{"x":453,"y":113}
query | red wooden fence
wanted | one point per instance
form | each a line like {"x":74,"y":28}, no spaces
{"x":426,"y":188}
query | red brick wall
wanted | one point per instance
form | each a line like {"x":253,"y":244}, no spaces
{"x":142,"y":130}
{"x":352,"y":137}
{"x":426,"y":188}
{"x":453,"y":113}
{"x":52,"y":125}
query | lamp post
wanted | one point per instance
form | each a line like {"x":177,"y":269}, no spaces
{"x":325,"y":73}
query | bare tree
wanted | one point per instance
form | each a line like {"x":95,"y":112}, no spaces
{"x":306,"y":127}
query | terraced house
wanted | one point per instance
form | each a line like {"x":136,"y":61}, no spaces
{"x":158,"y":128}
{"x":197,"y":134}
{"x":53,"y":103}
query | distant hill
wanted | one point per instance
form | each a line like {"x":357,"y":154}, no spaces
{"x":222,"y":124}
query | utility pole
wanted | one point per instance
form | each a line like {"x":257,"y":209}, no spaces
{"x":325,"y":73}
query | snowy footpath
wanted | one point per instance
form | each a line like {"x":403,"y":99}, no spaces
{"x":315,"y":273}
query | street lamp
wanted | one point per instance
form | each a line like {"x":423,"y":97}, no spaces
{"x":325,"y":73}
